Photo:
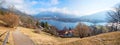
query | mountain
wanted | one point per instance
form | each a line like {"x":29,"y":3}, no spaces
{"x":96,"y":17}
{"x":52,"y":15}
{"x":100,"y":16}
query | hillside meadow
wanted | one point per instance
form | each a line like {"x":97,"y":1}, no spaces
{"x":111,"y":38}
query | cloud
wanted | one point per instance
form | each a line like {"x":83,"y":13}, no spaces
{"x":49,"y":2}
{"x":18,"y":4}
{"x":60,"y":10}
{"x":34,"y":2}
{"x":36,"y":6}
{"x":99,"y":10}
{"x":27,"y":5}
{"x":54,"y":2}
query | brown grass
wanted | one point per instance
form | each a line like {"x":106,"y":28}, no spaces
{"x":112,"y":38}
{"x":45,"y":38}
{"x":2,"y":37}
{"x":10,"y":39}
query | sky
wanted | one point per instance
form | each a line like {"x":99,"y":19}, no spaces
{"x":74,"y":7}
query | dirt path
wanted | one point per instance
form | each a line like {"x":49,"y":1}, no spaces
{"x":21,"y":39}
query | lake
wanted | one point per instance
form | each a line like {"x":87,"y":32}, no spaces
{"x":60,"y":25}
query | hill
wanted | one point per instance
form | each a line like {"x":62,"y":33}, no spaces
{"x":43,"y":38}
{"x":25,"y":19}
{"x":99,"y":17}
{"x":112,"y":38}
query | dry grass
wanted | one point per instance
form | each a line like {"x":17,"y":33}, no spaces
{"x":38,"y":38}
{"x":112,"y":38}
{"x":1,"y":22}
{"x":10,"y":39}
{"x":44,"y":38}
{"x":2,"y":37}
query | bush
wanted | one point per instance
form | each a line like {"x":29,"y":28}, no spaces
{"x":37,"y":31}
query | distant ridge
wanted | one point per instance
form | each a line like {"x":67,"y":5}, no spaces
{"x":99,"y":17}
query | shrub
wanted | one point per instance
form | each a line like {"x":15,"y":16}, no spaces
{"x":37,"y":31}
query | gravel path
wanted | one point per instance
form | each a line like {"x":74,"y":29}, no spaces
{"x":21,"y":39}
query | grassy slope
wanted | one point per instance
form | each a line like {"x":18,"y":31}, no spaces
{"x":112,"y":38}
{"x":43,"y":38}
{"x":10,"y":39}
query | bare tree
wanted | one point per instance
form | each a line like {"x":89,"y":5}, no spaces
{"x":82,"y":30}
{"x":10,"y":18}
{"x":114,"y":17}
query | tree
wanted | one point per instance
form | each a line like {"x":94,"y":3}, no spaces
{"x":46,"y":25}
{"x":104,"y":29}
{"x":70,"y":28}
{"x":53,"y":30}
{"x":81,"y":30}
{"x":10,"y":19}
{"x":27,"y":21}
{"x":65,"y":28}
{"x":114,"y":17}
{"x":42,"y":24}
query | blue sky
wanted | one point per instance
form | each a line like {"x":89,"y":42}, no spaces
{"x":74,"y":7}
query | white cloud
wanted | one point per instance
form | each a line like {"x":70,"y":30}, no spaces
{"x":61,"y":10}
{"x":49,"y":3}
{"x":34,"y":2}
{"x":96,"y":11}
{"x":25,"y":6}
{"x":54,"y":2}
{"x":21,"y":5}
